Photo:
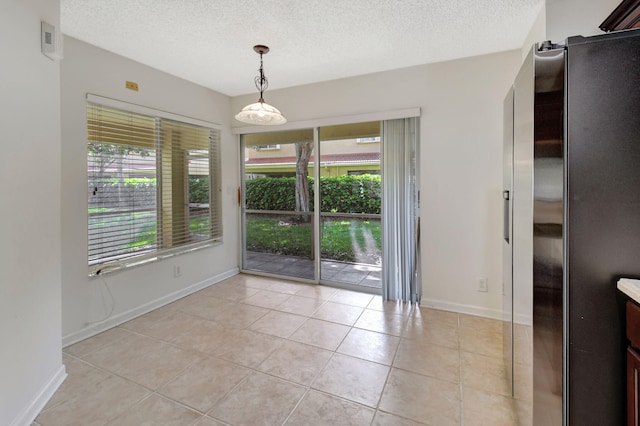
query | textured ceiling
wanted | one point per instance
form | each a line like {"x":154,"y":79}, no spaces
{"x":209,"y":42}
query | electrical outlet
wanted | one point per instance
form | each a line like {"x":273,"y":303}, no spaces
{"x":483,"y":285}
{"x":177,"y":271}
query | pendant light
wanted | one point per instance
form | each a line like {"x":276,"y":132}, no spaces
{"x":261,"y":112}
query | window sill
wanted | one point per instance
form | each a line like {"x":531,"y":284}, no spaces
{"x":120,"y":265}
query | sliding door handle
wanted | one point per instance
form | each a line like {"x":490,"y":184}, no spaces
{"x":505,"y":221}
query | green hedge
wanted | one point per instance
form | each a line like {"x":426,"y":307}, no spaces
{"x":199,"y":189}
{"x":344,"y":194}
{"x":272,"y":193}
{"x":198,"y":186}
{"x":145,"y":188}
{"x":351,"y":194}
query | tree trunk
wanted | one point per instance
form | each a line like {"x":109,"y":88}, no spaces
{"x":303,"y":154}
{"x":120,"y":175}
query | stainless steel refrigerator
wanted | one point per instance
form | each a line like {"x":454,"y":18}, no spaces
{"x":572,"y":225}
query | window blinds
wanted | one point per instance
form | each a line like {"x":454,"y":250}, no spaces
{"x":153,"y":185}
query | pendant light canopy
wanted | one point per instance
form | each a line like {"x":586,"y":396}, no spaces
{"x":261,"y":112}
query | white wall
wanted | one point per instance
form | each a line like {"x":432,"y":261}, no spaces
{"x":566,"y":18}
{"x":88,"y":69}
{"x":537,"y":33}
{"x":559,"y":19}
{"x":461,"y":162}
{"x":30,"y":350}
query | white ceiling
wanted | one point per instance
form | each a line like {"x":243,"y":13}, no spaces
{"x":210,"y":42}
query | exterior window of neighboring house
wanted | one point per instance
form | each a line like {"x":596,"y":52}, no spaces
{"x":153,"y":187}
{"x":267,"y":147}
{"x":363,"y":172}
{"x":373,"y":139}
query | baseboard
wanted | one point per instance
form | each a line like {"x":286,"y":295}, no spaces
{"x":523,"y":319}
{"x":123,"y":317}
{"x":31,"y":411}
{"x":462,"y":308}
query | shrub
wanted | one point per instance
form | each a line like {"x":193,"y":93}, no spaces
{"x":350,"y":194}
{"x":272,"y":193}
{"x":199,"y":189}
{"x":144,"y":189}
{"x":344,"y":194}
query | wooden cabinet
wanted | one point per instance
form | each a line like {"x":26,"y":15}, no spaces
{"x":633,"y":362}
{"x":633,"y":369}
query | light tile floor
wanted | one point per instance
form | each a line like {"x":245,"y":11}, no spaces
{"x":258,"y":351}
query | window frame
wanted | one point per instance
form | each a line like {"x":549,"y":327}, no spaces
{"x":216,"y":233}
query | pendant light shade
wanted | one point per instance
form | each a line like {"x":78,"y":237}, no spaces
{"x":261,"y":112}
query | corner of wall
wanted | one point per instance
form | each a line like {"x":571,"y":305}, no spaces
{"x":537,"y":33}
{"x":39,"y":401}
{"x":30,"y":278}
{"x":566,"y":18}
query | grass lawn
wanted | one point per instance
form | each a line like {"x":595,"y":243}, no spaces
{"x":145,"y":233}
{"x":353,"y":240}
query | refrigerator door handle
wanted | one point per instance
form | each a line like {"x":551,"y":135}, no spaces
{"x":507,"y":227}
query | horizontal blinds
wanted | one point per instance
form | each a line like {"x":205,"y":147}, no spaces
{"x":215,"y":192}
{"x":185,"y":182}
{"x":121,"y":166}
{"x":153,"y":184}
{"x":110,"y":126}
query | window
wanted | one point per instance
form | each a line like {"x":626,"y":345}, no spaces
{"x":372,"y":139}
{"x":363,"y":172}
{"x":153,"y":186}
{"x":267,"y":147}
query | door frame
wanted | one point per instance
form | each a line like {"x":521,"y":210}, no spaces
{"x":315,"y":124}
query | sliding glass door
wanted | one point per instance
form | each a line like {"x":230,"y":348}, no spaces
{"x":350,"y":203}
{"x":278,"y":215}
{"x":284,"y":234}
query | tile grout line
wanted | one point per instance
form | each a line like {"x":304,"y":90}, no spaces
{"x":386,"y":380}
{"x":255,"y":369}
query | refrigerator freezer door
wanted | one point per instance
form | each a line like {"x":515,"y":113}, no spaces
{"x":548,"y":186}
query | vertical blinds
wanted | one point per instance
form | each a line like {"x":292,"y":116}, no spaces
{"x":400,"y":256}
{"x":153,"y":185}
